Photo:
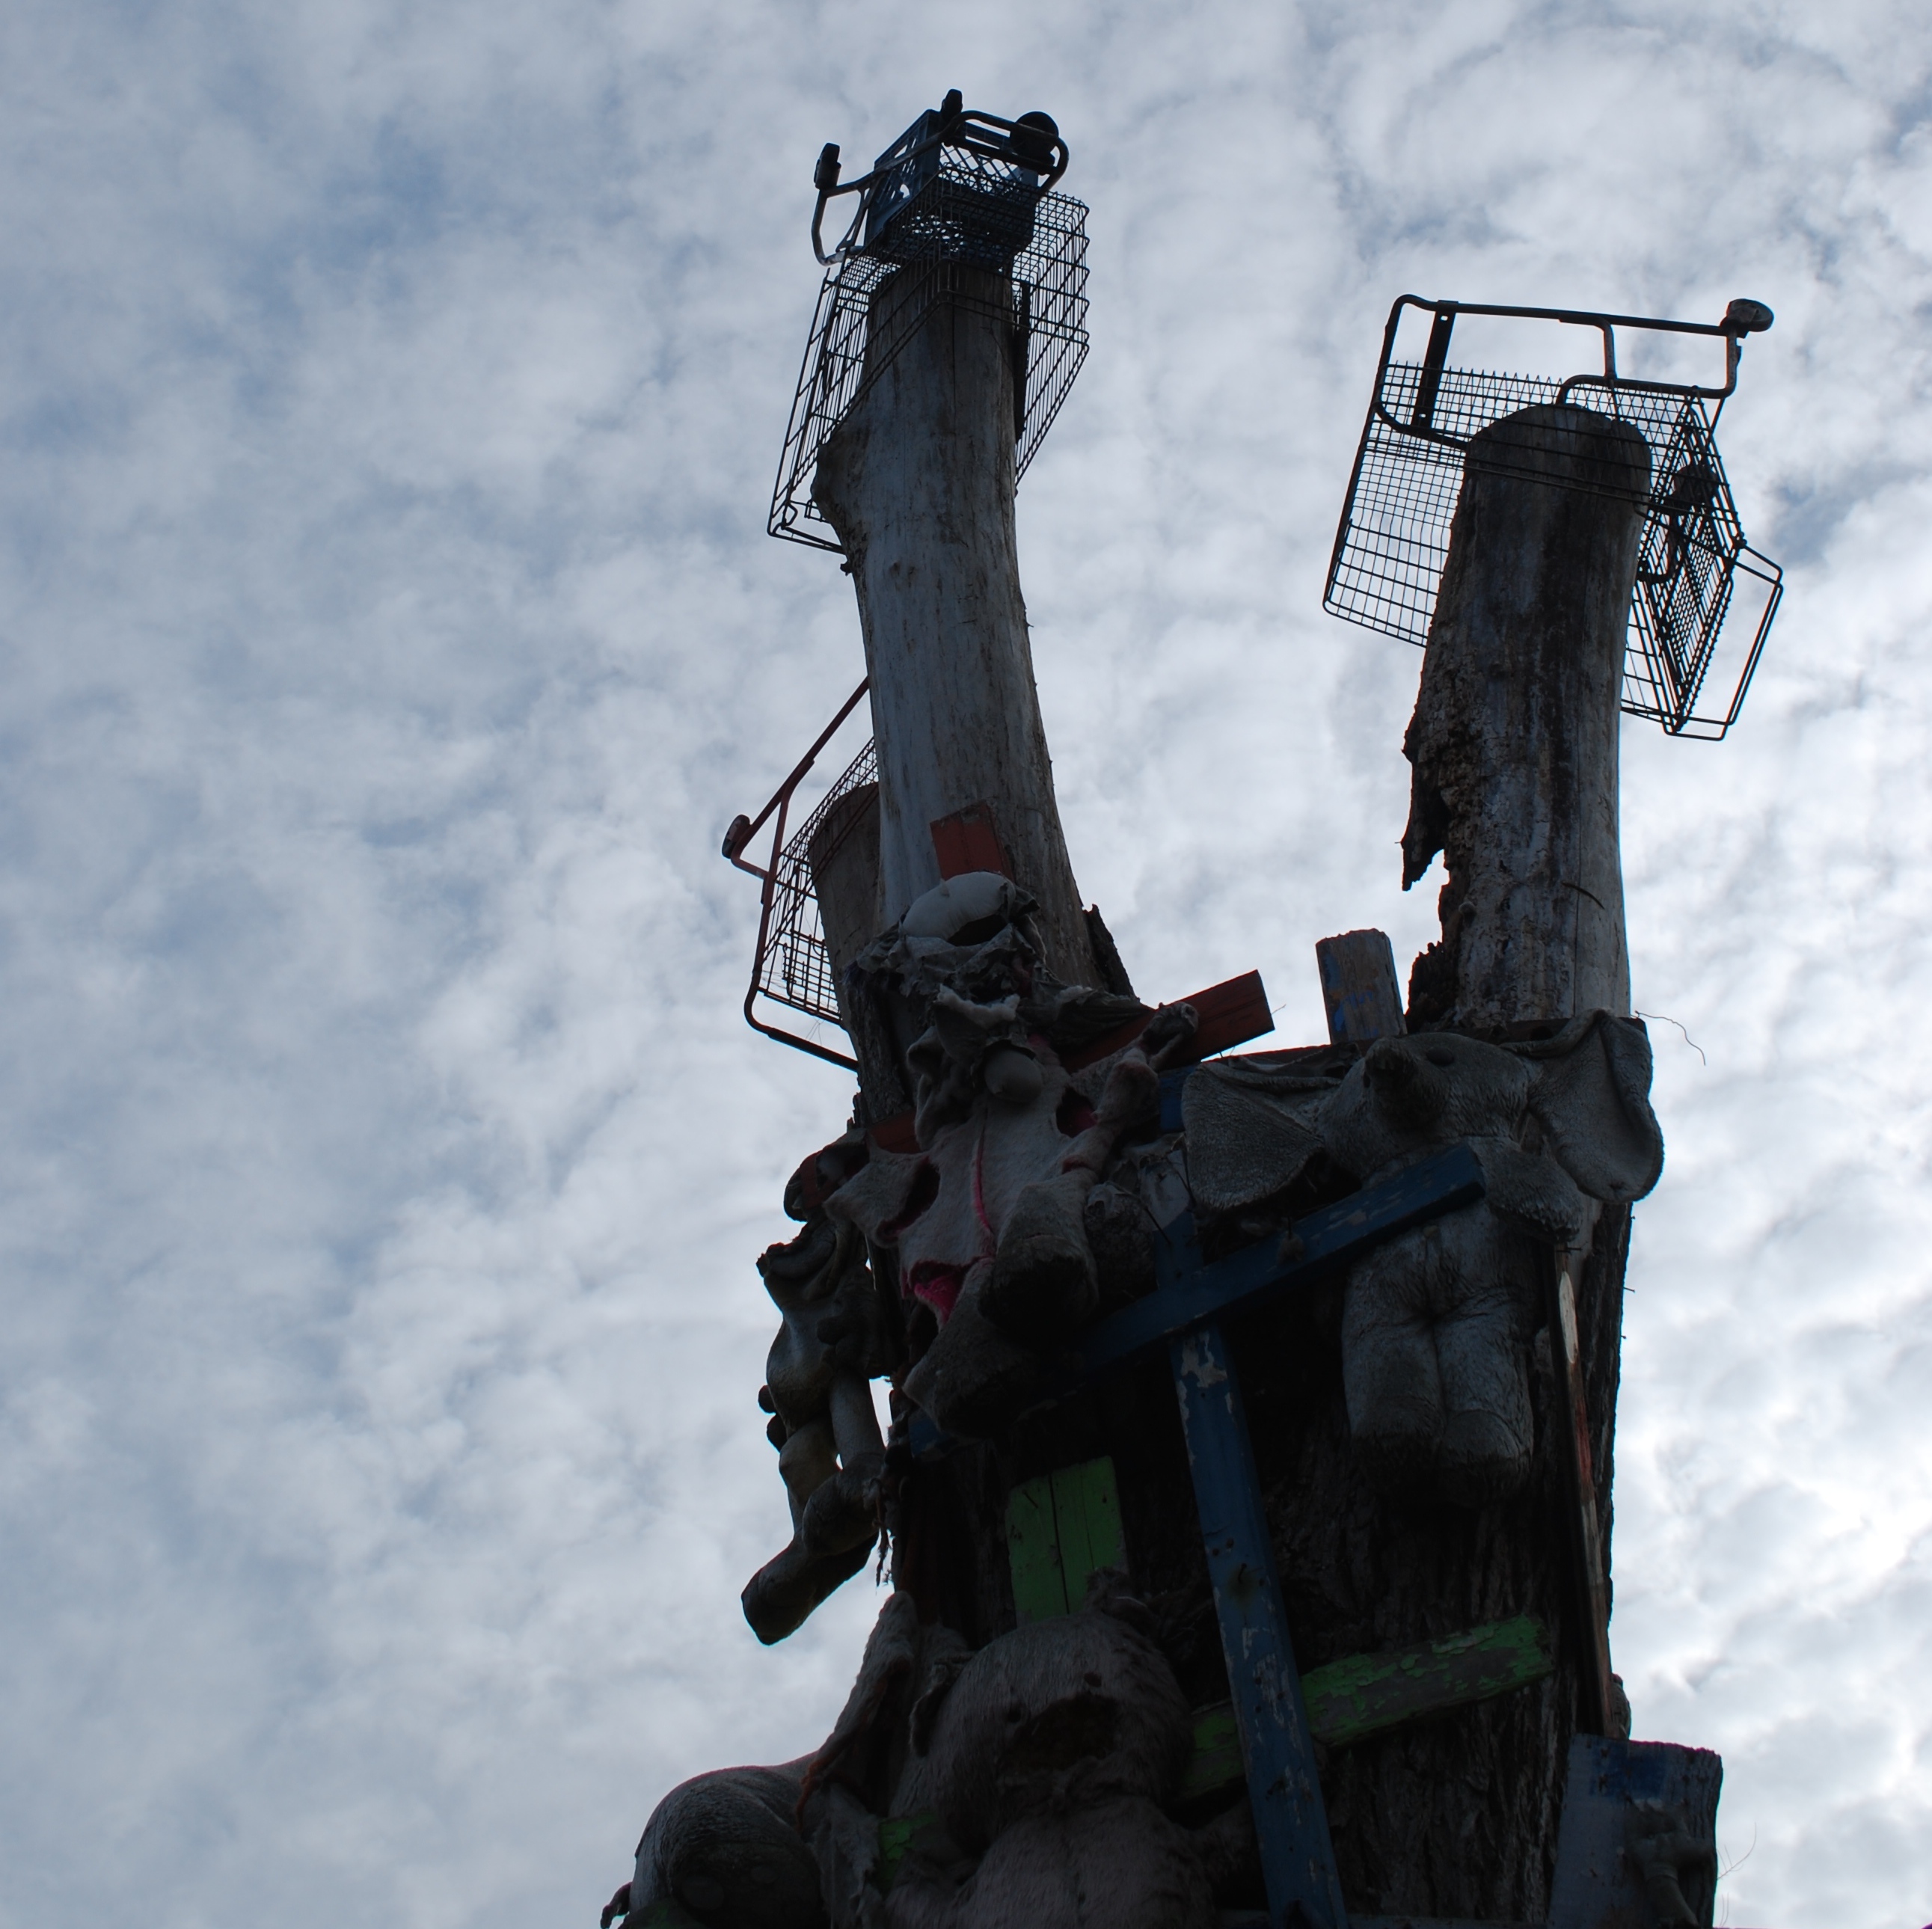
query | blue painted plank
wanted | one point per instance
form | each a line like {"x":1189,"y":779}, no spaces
{"x":1190,"y":1291}
{"x":1297,"y":1858}
{"x":1327,"y":1239}
{"x":1604,"y":1878}
{"x":1172,"y":1084}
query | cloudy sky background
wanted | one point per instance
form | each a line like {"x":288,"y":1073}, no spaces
{"x":391,"y":397}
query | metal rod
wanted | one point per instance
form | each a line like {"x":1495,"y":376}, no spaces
{"x":782,"y":795}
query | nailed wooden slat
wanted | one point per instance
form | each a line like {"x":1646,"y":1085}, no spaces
{"x":1061,"y":1527}
{"x":1367,"y":1694}
{"x":1228,"y":1014}
{"x":901,"y":1837}
{"x":1231,"y":1013}
{"x":968,"y":840}
{"x":1617,"y":1796}
{"x":1319,"y":1243}
{"x":1033,"y":1551}
{"x":894,"y":1134}
{"x":1284,"y":1787}
{"x":1215,"y":1764}
{"x":1359,"y":987}
{"x":1087,"y":1513}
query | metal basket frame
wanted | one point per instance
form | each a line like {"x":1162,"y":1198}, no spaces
{"x":791,"y":966}
{"x":843,"y":358}
{"x":1394,"y":535}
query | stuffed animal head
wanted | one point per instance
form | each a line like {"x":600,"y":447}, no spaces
{"x":1059,"y":1713}
{"x":1587,"y":1091}
{"x":1411,"y":1095}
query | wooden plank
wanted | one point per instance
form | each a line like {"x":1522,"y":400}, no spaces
{"x":1284,"y":1789}
{"x":1229,"y":1014}
{"x":1192,"y":1292}
{"x":901,"y":1837}
{"x":894,"y":1134}
{"x":1367,"y":1694}
{"x":968,"y":840}
{"x":1061,"y":1527}
{"x":1086,"y":1514}
{"x":1216,"y":1764}
{"x":1032,"y":1551}
{"x":1317,"y":1245}
{"x":1615,"y":1793}
{"x":1359,"y":987}
{"x":1586,"y":1541}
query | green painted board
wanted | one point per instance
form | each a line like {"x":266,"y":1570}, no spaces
{"x":899,"y":1835}
{"x":1215,"y":1763}
{"x":1062,"y":1527}
{"x":1032,"y":1551}
{"x":1346,"y":1701}
{"x":1087,"y":1510}
{"x":1368,"y":1693}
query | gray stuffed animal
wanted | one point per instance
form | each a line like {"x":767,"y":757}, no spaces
{"x":1049,"y":1758}
{"x":818,"y":1391}
{"x":722,"y":1851}
{"x":1034,"y":1775}
{"x":1435,"y":1321}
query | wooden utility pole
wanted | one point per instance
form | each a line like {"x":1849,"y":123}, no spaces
{"x":918,"y":481}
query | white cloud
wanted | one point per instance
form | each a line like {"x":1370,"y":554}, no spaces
{"x":391,"y":399}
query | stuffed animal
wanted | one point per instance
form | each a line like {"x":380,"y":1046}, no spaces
{"x":817,"y":1390}
{"x":1033,"y":1778}
{"x":1436,"y":1321}
{"x":988,"y":1217}
{"x":1049,"y":1758}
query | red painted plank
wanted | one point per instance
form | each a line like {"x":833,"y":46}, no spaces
{"x":968,"y":841}
{"x":1230,"y":1014}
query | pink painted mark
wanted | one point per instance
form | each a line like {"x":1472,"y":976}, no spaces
{"x":937,"y":1283}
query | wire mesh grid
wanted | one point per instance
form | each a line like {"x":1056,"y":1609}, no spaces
{"x":794,"y":966}
{"x":929,"y":263}
{"x":1393,"y":539}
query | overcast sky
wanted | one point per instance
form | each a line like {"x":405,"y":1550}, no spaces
{"x":391,"y":395}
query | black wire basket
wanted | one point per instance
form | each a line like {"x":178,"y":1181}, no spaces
{"x":960,"y":196}
{"x":1694,"y":559}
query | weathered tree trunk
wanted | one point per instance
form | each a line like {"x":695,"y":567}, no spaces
{"x":1514,"y":745}
{"x":1514,"y":738}
{"x":919,"y":483}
